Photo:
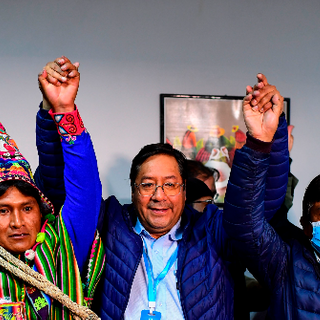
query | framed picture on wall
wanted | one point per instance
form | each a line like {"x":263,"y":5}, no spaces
{"x":206,"y":128}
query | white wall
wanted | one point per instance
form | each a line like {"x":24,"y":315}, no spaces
{"x":131,"y":51}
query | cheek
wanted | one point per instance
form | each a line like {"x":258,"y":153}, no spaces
{"x":308,"y":231}
{"x":183,"y":196}
{"x":35,"y":223}
{"x":4,"y":226}
{"x":140,"y":203}
{"x":180,"y":203}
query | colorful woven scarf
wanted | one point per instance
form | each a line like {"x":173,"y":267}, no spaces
{"x":54,"y":259}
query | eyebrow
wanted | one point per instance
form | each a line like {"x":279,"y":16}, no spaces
{"x":167,"y":177}
{"x":28,"y":202}
{"x":153,"y":178}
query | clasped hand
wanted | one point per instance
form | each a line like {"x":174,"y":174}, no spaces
{"x":59,"y":83}
{"x":262,"y":107}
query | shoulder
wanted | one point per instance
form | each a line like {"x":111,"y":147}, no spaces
{"x":51,"y":232}
{"x":112,"y":207}
{"x":112,"y":203}
{"x":207,"y":223}
{"x":114,"y":217}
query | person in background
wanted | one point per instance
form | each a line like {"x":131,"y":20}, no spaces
{"x":198,"y":195}
{"x":258,"y":296}
{"x":209,"y":176}
{"x":289,"y":269}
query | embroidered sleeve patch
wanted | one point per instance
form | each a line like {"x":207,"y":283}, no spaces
{"x":69,"y":123}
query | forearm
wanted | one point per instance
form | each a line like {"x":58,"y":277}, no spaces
{"x":244,"y":201}
{"x":277,"y":177}
{"x":244,"y":216}
{"x":49,"y":174}
{"x":83,"y":188}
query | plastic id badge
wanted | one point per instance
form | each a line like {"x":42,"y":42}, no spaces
{"x":145,"y":315}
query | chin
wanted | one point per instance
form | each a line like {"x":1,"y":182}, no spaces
{"x":19,"y":249}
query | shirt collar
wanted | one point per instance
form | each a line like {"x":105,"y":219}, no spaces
{"x":174,"y":234}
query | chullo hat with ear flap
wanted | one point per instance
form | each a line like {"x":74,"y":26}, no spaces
{"x":13,"y":166}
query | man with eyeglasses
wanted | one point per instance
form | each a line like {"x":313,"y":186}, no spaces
{"x":164,"y":260}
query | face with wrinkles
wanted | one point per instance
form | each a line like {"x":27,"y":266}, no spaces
{"x":20,"y":221}
{"x":159,"y":213}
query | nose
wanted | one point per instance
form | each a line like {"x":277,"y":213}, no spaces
{"x":159,"y":194}
{"x":16,"y":219}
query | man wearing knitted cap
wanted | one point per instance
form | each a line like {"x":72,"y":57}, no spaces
{"x":41,"y":253}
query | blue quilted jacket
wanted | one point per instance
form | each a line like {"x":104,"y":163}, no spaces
{"x":204,"y":281}
{"x":289,"y":270}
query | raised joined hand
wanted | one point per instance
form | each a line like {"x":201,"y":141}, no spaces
{"x":59,"y":83}
{"x":262,"y":108}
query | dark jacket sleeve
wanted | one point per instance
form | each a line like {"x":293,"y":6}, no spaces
{"x":245,"y":208}
{"x":278,"y":171}
{"x":49,"y":174}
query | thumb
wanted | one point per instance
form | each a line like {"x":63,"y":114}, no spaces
{"x":76,"y":64}
{"x":277,"y":105}
{"x":290,"y":128}
{"x":42,"y":77}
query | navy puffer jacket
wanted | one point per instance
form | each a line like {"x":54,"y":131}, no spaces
{"x":204,"y":282}
{"x":203,"y":279}
{"x":289,"y":270}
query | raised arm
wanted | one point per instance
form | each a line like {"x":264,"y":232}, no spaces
{"x":259,"y":98}
{"x":49,"y":174}
{"x":244,"y":209}
{"x":59,"y":83}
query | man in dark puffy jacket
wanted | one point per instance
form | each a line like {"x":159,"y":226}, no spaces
{"x":290,"y":268}
{"x":164,"y":258}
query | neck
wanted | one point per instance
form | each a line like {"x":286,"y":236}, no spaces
{"x":156,"y":235}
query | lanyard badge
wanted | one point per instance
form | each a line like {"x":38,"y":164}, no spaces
{"x":146,"y":315}
{"x":151,"y":314}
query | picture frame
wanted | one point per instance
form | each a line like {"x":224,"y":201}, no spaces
{"x":207,"y":128}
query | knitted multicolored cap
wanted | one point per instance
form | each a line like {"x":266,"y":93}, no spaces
{"x":13,"y":166}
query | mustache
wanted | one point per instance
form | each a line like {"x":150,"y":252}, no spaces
{"x":159,"y":205}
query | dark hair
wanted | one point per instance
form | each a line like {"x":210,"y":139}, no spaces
{"x":311,"y":196}
{"x":26,"y":189}
{"x":197,"y":169}
{"x":157,"y":149}
{"x":197,"y":189}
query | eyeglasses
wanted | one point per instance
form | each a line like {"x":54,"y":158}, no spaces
{"x":209,"y":201}
{"x":149,"y":189}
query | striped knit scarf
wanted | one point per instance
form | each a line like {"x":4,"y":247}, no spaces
{"x":54,"y":259}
